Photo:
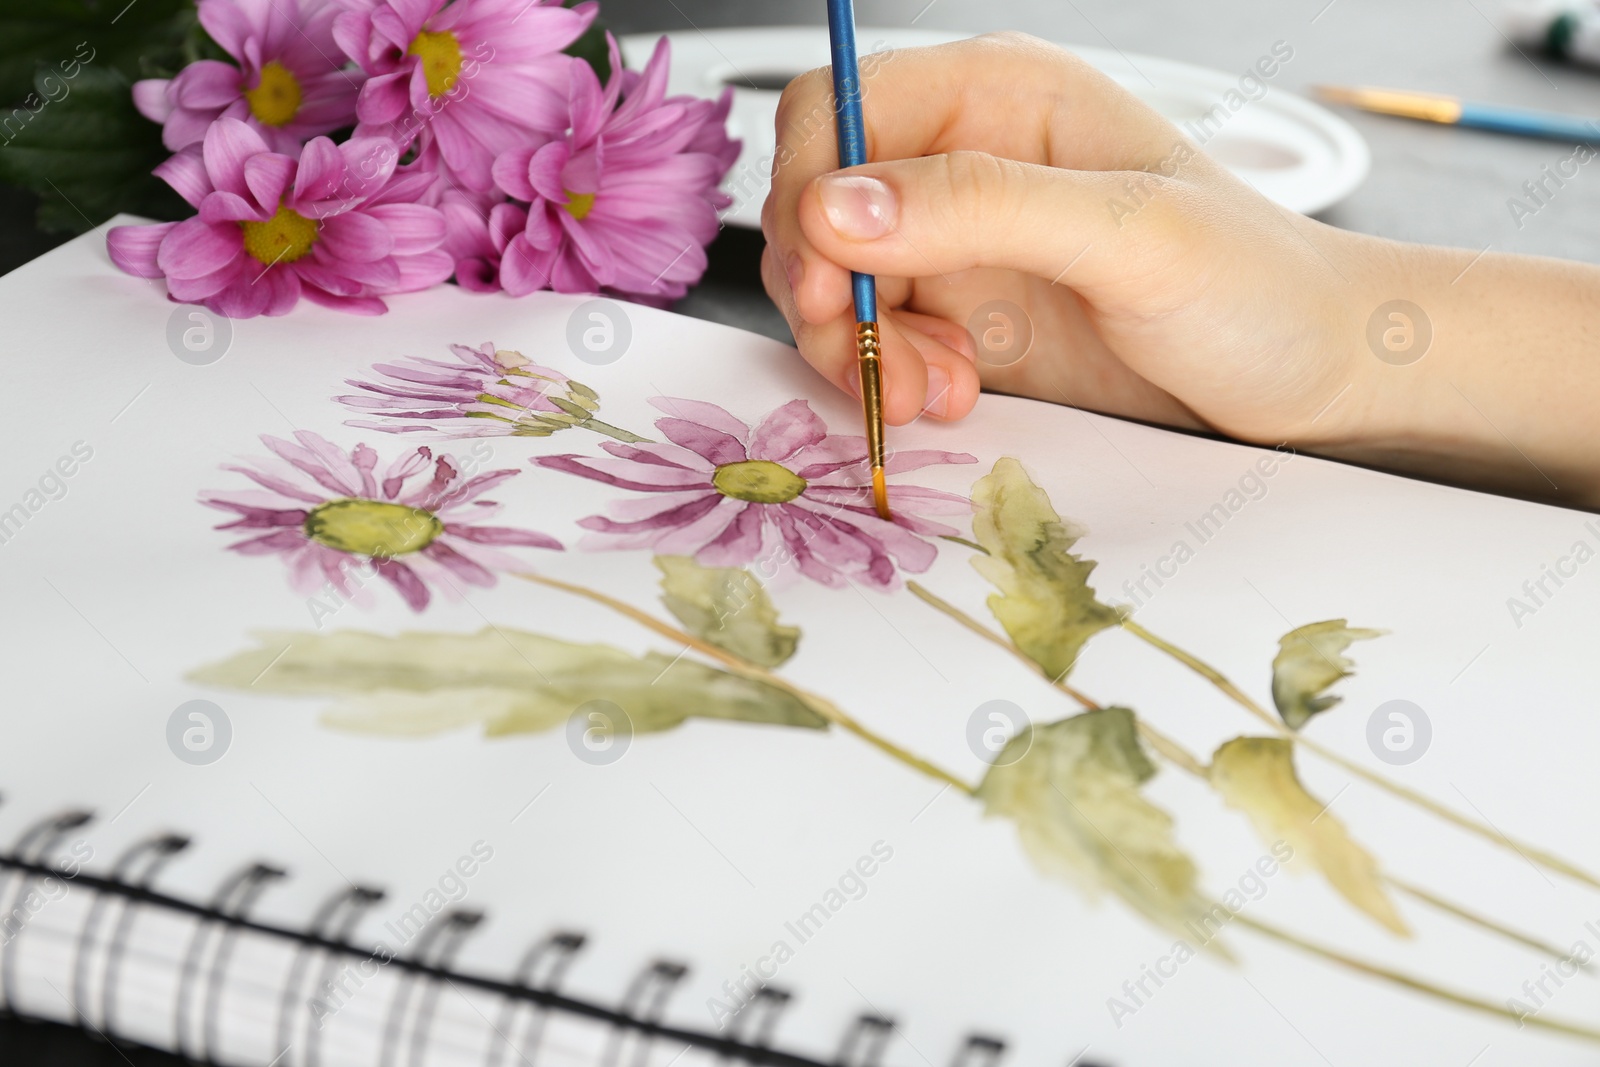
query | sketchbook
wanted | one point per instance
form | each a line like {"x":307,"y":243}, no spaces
{"x":526,"y":681}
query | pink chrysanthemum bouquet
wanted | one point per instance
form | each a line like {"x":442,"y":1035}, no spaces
{"x":355,"y":149}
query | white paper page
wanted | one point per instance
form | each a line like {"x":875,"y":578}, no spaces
{"x":704,"y":841}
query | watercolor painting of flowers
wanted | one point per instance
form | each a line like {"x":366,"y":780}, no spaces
{"x":714,"y":503}
{"x":729,"y":494}
{"x":486,"y":392}
{"x":326,"y":512}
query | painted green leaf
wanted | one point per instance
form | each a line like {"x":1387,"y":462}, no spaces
{"x":508,"y":680}
{"x":1309,"y":660}
{"x":1256,"y":775}
{"x":1044,"y":602}
{"x":1072,"y":789}
{"x":727,"y":607}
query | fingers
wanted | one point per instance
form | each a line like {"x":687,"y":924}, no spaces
{"x":928,"y":364}
{"x":1056,"y":109}
{"x":938,"y":215}
{"x":951,"y":360}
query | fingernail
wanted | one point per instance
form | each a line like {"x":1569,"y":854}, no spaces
{"x":795,"y":268}
{"x":857,"y":207}
{"x":938,"y":404}
{"x":853,"y":383}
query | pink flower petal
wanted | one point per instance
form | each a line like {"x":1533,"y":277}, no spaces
{"x":706,"y":414}
{"x":414,"y":228}
{"x":405,"y":582}
{"x":268,"y":175}
{"x":321,"y":168}
{"x":206,"y":83}
{"x":228,"y":144}
{"x":185,"y":127}
{"x":503,"y":535}
{"x":466,"y":569}
{"x":355,"y":236}
{"x":193,"y":249}
{"x":354,"y":305}
{"x":623,"y":474}
{"x":510,"y":172}
{"x":185,"y":171}
{"x":786,"y":431}
{"x":133,"y":248}
{"x":524,"y":268}
{"x":717,"y":447}
{"x":150,"y":97}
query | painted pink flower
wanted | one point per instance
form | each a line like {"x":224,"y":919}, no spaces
{"x":332,"y":516}
{"x":627,"y":199}
{"x":469,"y":77}
{"x":335,"y":225}
{"x":485,"y":392}
{"x":290,"y":82}
{"x":730,"y":494}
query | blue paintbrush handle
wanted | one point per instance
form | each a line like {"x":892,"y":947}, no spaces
{"x":1530,"y":123}
{"x":852,"y":130}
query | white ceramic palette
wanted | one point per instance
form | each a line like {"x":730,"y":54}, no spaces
{"x":1296,"y":153}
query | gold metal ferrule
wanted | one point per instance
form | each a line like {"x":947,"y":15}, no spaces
{"x":869,"y":360}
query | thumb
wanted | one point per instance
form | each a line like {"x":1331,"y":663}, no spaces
{"x":936,"y":215}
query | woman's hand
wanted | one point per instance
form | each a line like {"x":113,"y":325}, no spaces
{"x":1155,"y":283}
{"x":1017,"y":188}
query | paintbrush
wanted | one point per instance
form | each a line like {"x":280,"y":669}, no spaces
{"x":1453,"y":111}
{"x":853,"y":153}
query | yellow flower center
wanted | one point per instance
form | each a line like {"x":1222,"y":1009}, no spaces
{"x":441,"y":59}
{"x":759,"y":481}
{"x":283,"y":238}
{"x":579,"y":204}
{"x":276,"y":98}
{"x":375,"y":528}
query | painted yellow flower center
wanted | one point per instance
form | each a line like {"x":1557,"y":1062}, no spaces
{"x":759,"y":481}
{"x":579,"y":204}
{"x":441,"y":59}
{"x":376,"y":528}
{"x":276,"y":98}
{"x":283,"y":238}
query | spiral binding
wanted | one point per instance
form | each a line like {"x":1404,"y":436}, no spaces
{"x":532,"y":995}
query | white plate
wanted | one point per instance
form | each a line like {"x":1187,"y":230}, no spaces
{"x":1293,"y":151}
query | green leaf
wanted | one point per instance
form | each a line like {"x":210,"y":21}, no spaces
{"x":88,"y":154}
{"x":727,"y":607}
{"x":509,"y":680}
{"x":145,"y":38}
{"x":1044,"y":602}
{"x":1256,"y":775}
{"x":592,"y":47}
{"x":1072,"y":789}
{"x":1309,"y":660}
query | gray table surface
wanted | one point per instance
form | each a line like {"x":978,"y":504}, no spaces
{"x":1432,"y":184}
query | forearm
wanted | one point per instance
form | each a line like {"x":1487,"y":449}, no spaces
{"x":1506,"y":394}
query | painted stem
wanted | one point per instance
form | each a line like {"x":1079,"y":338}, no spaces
{"x":1472,"y":918}
{"x":823,"y":707}
{"x":1527,"y":851}
{"x":1181,"y":757}
{"x":940,"y":604}
{"x":1164,"y":745}
{"x":1419,"y":985}
{"x":608,"y":430}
